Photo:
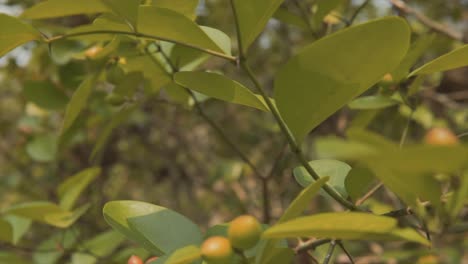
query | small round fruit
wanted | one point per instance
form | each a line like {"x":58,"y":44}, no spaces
{"x":244,"y":232}
{"x":115,"y":99}
{"x":115,"y":74}
{"x":216,"y":250}
{"x":148,"y":261}
{"x":135,"y":260}
{"x":440,"y":136}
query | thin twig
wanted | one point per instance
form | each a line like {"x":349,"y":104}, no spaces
{"x":305,"y":17}
{"x":311,"y":245}
{"x":435,"y":26}
{"x":340,"y":244}
{"x":330,"y":252}
{"x":369,"y":194}
{"x":357,"y":12}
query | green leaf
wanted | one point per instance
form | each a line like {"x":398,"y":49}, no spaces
{"x":181,"y":29}
{"x":12,"y":258}
{"x":14,"y":33}
{"x":222,"y":40}
{"x":66,"y":219}
{"x":372,"y":102}
{"x":46,"y":252}
{"x":358,"y":182}
{"x":252,"y":17}
{"x":338,"y":148}
{"x":36,"y":211}
{"x":324,"y":7}
{"x":103,"y":244}
{"x":343,"y":225}
{"x":295,"y":209}
{"x":127,"y":9}
{"x":459,"y":197}
{"x":336,"y":170}
{"x":43,"y":148}
{"x":185,"y":255}
{"x":284,"y":15}
{"x":455,"y":59}
{"x":158,"y":229}
{"x":60,"y":8}
{"x":78,"y":102}
{"x":185,"y":7}
{"x":19,"y":226}
{"x":329,"y":73}
{"x":6,"y":231}
{"x":219,"y":87}
{"x":105,"y":22}
{"x":69,"y":190}
{"x":45,"y":94}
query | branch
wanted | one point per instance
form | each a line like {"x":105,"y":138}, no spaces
{"x":330,"y":252}
{"x":438,"y":27}
{"x":141,"y":35}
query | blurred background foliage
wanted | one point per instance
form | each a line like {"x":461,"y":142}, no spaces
{"x":165,"y":153}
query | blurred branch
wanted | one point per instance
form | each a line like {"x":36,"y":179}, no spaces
{"x":357,"y":12}
{"x":311,"y":245}
{"x":340,"y":244}
{"x":305,"y":17}
{"x":438,"y":27}
{"x":331,"y":249}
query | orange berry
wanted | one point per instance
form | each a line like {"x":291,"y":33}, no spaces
{"x":440,"y":136}
{"x":135,"y":260}
{"x":244,"y":232}
{"x":216,"y":250}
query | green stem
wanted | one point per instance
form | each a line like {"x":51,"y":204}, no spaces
{"x":141,"y":35}
{"x":292,"y":142}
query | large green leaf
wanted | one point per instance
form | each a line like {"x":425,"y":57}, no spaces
{"x":252,"y":17}
{"x":295,"y":209}
{"x":332,"y":71}
{"x":185,"y":7}
{"x":219,"y":87}
{"x":174,"y":27}
{"x":335,"y":169}
{"x":185,"y":255}
{"x":455,"y":59}
{"x":78,"y":102}
{"x":60,"y":8}
{"x":158,"y":229}
{"x":14,"y":33}
{"x":69,"y":190}
{"x":346,"y":226}
{"x":127,"y":9}
{"x":45,"y":94}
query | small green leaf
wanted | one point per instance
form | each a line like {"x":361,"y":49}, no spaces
{"x":252,"y":17}
{"x":103,"y":244}
{"x":328,"y":74}
{"x":184,"y":7}
{"x":60,"y":8}
{"x":343,"y":225}
{"x":19,"y":225}
{"x":66,"y":219}
{"x":338,"y":148}
{"x":372,"y":102}
{"x":336,"y":170}
{"x":43,"y":148}
{"x":36,"y":211}
{"x":78,"y":102}
{"x":455,"y":59}
{"x":45,"y":94}
{"x":14,"y":33}
{"x":152,"y":71}
{"x":185,"y":255}
{"x":69,"y":190}
{"x":219,"y":87}
{"x":284,"y":15}
{"x":181,"y":29}
{"x":127,"y":9}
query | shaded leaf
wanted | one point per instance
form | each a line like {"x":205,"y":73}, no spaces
{"x":43,"y":148}
{"x":358,"y":182}
{"x":127,"y":9}
{"x":372,"y":102}
{"x":45,"y":94}
{"x":69,"y":190}
{"x":326,"y":75}
{"x":185,"y":7}
{"x":14,"y":33}
{"x":19,"y":226}
{"x":284,"y":15}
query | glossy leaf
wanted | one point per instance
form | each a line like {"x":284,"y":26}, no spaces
{"x":181,"y":30}
{"x":159,"y":229}
{"x":185,"y":255}
{"x":127,"y":9}
{"x":15,"y":33}
{"x":60,"y":8}
{"x":78,"y":102}
{"x":336,"y":170}
{"x":185,"y":7}
{"x":455,"y":59}
{"x":69,"y":190}
{"x":372,"y":102}
{"x":43,"y":148}
{"x":219,"y":87}
{"x":328,"y":74}
{"x":343,"y":225}
{"x":45,"y":94}
{"x":252,"y":17}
